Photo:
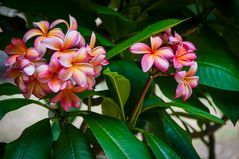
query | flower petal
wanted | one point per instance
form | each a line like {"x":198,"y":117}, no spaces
{"x":67,"y":59}
{"x":38,"y":91}
{"x":179,"y":76}
{"x":161,"y":63}
{"x":140,"y":48}
{"x":178,"y":37}
{"x":92,"y":40}
{"x":29,"y":69}
{"x":165,"y":52}
{"x":43,"y":73}
{"x":55,"y":84}
{"x":73,"y":23}
{"x":11,"y":60}
{"x":189,"y":45}
{"x":192,"y":81}
{"x":87,"y":68}
{"x":187,"y":92}
{"x":56,"y":32}
{"x":32,"y":54}
{"x":66,"y":103}
{"x":39,"y":46}
{"x":65,"y":74}
{"x":52,"y":43}
{"x":90,"y":82}
{"x":179,"y":90}
{"x":147,"y":62}
{"x":57,"y":98}
{"x":42,"y":25}
{"x":31,"y":33}
{"x":98,"y":50}
{"x":79,"y":77}
{"x":192,"y":70}
{"x":16,"y":47}
{"x":71,"y":39}
{"x":58,"y":21}
{"x":156,"y":42}
{"x":82,"y":55}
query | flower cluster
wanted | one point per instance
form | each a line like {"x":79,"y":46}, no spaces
{"x":58,"y":62}
{"x":168,"y":50}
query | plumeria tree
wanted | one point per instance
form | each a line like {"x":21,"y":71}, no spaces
{"x":156,"y":57}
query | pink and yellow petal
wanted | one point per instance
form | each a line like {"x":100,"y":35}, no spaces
{"x":147,"y":62}
{"x":31,"y":33}
{"x":140,"y":48}
{"x":164,"y":52}
{"x":52,"y":43}
{"x":43,"y":26}
{"x":71,"y":39}
{"x":161,"y":63}
{"x":79,"y":77}
{"x":156,"y":42}
{"x":65,"y":73}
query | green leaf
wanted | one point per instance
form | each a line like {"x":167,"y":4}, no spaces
{"x":72,"y":144}
{"x":87,"y":32}
{"x":9,"y":89}
{"x":227,"y":102}
{"x":179,"y":140}
{"x":136,"y":77}
{"x":144,"y":34}
{"x":218,"y":71}
{"x":119,"y":87}
{"x":34,"y":143}
{"x":160,"y":149}
{"x":116,"y":139}
{"x":110,"y":108}
{"x":8,"y":105}
{"x":195,"y":112}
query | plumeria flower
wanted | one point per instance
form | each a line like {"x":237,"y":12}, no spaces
{"x":49,"y":74}
{"x":183,"y":57}
{"x":62,"y":46}
{"x":186,"y":81}
{"x":97,"y":55}
{"x":42,"y":31}
{"x":67,"y":96}
{"x":155,"y":54}
{"x":75,"y":67}
{"x":18,"y":50}
{"x":178,"y":40}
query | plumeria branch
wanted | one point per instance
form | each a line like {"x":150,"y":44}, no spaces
{"x":138,"y":106}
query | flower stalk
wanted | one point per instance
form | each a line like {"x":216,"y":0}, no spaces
{"x":139,"y":104}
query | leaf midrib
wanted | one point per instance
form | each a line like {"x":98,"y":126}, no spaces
{"x":105,"y":131}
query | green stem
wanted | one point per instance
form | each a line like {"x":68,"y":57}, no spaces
{"x":138,"y":106}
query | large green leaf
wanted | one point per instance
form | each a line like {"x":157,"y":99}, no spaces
{"x":8,"y":105}
{"x":9,"y":89}
{"x":34,"y":143}
{"x":179,"y":140}
{"x":119,"y":87}
{"x":218,"y":71}
{"x":110,"y":108}
{"x":72,"y":144}
{"x":144,"y":34}
{"x":160,"y":149}
{"x":227,"y":102}
{"x":154,"y":102}
{"x":116,"y":139}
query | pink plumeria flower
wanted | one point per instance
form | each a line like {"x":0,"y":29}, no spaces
{"x":42,"y":31}
{"x":177,"y":39}
{"x":97,"y":55}
{"x":62,"y":46}
{"x":186,"y":81}
{"x":76,"y":67}
{"x":67,"y":96}
{"x":49,"y":74}
{"x":183,"y":57}
{"x":18,"y":50}
{"x":155,"y":54}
